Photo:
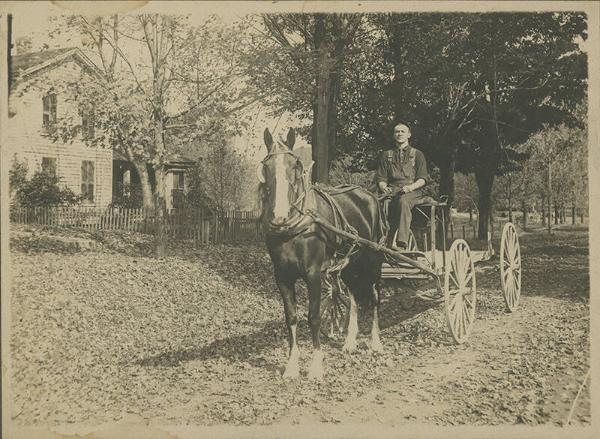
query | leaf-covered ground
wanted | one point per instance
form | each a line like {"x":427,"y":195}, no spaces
{"x":111,"y":334}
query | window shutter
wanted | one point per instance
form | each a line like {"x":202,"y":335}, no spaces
{"x":87,"y":180}
{"x":49,"y":165}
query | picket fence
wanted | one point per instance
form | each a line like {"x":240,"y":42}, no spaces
{"x":203,"y":226}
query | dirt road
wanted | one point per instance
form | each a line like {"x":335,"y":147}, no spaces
{"x":110,"y":334}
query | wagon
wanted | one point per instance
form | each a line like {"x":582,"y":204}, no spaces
{"x":430,"y":255}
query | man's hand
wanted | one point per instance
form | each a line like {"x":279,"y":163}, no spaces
{"x":406,"y":189}
{"x":385,"y":188}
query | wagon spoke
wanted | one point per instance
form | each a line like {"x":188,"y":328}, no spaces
{"x":464,"y":323}
{"x":469,"y":277}
{"x":457,"y":316}
{"x":466,"y":262}
{"x":467,"y":317}
{"x":454,"y":299}
{"x":454,"y":279}
{"x":468,"y":301}
{"x":453,"y":263}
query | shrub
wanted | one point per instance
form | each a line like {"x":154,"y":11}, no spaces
{"x":43,"y":190}
{"x":17,"y":175}
{"x":127,"y":196}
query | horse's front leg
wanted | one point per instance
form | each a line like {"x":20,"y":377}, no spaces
{"x":288,"y":294}
{"x":350,"y":342}
{"x":314,"y":281}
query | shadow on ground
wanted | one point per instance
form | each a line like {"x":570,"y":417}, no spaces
{"x":240,"y":347}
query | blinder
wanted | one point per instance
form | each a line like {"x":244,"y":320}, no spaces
{"x":260,"y":168}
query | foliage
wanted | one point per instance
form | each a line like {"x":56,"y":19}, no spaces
{"x":466,"y":193}
{"x":474,"y":85}
{"x":165,"y":87}
{"x":43,"y":190}
{"x":220,"y":180}
{"x":342,"y":172}
{"x":17,"y":175}
{"x":127,"y":196}
{"x":197,"y":195}
{"x":213,"y":319}
{"x":303,"y":62}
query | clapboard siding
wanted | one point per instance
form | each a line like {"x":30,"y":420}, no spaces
{"x":27,"y":139}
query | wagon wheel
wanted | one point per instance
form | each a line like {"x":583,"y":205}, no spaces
{"x":335,"y":308}
{"x":510,"y":266}
{"x":460,"y":291}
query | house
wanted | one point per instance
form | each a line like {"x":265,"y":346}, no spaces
{"x":35,"y":105}
{"x":175,"y":183}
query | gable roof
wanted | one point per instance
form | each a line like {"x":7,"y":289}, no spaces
{"x":27,"y":64}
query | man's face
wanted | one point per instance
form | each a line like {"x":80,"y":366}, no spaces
{"x":401,"y":133}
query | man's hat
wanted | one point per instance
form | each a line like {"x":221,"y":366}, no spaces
{"x":400,"y":121}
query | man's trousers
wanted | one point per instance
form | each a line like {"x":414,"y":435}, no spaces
{"x":400,"y":212}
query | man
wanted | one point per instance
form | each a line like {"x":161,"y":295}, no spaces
{"x":402,"y":168}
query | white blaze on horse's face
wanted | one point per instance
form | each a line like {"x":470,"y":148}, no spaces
{"x":281,"y":207}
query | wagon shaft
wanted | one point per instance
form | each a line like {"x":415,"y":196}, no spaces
{"x":373,"y":245}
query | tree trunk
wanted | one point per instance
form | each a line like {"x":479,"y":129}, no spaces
{"x":321,"y":115}
{"x":543,"y":211}
{"x":510,"y":209}
{"x":485,"y":182}
{"x":447,"y":185}
{"x":573,"y":215}
{"x":159,"y":174}
{"x":147,"y":196}
{"x":334,"y":91}
{"x":549,"y":198}
{"x":525,"y":214}
{"x":556,"y":215}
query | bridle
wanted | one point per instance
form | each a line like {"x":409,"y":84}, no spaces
{"x":301,"y":193}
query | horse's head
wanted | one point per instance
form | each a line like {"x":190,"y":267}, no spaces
{"x":280,"y":174}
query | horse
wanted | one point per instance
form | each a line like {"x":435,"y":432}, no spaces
{"x":300,"y":248}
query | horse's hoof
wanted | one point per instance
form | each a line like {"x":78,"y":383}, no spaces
{"x":377,"y":346}
{"x":316,"y":373}
{"x":349,"y":346}
{"x":291,"y":373}
{"x":315,"y":370}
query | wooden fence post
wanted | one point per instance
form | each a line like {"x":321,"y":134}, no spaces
{"x":160,"y":218}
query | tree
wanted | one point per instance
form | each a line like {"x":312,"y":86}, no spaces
{"x":220,"y":179}
{"x":476,"y":85}
{"x":557,"y":155}
{"x":166,"y":86}
{"x":315,"y":48}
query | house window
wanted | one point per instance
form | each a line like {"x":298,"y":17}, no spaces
{"x":178,"y":180}
{"x":178,"y":186}
{"x":87,"y":180}
{"x":49,"y":165}
{"x":88,"y":122}
{"x":49,"y":104}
